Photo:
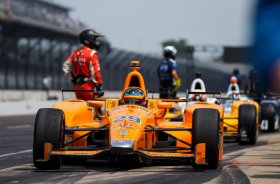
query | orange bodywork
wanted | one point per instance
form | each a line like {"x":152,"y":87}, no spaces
{"x":190,"y":109}
{"x":200,"y":153}
{"x":129,"y":129}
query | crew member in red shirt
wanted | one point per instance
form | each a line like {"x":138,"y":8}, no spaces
{"x":82,"y":66}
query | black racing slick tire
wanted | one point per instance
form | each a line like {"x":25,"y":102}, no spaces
{"x":49,"y":124}
{"x":268,"y":112}
{"x":206,"y":129}
{"x":247,"y":124}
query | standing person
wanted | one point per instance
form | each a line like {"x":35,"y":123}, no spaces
{"x":82,"y":66}
{"x":254,"y":85}
{"x":169,"y":80}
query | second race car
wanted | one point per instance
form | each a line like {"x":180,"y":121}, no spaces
{"x":241,"y":116}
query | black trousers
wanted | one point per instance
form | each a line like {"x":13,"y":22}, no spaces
{"x":167,"y":91}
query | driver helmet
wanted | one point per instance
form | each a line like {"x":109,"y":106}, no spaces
{"x":134,"y":96}
{"x":169,"y":51}
{"x":233,"y":79}
{"x":89,"y":37}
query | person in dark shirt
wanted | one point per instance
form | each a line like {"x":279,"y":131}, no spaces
{"x":169,"y":80}
{"x":254,"y":86}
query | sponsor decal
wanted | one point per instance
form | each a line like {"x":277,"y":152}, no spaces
{"x":134,"y":119}
{"x":119,"y":119}
{"x":264,"y":125}
{"x":123,"y":132}
{"x":129,"y":118}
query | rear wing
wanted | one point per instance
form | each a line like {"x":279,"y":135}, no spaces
{"x":186,"y":99}
{"x":205,"y":93}
{"x":254,"y":96}
{"x":214,"y":94}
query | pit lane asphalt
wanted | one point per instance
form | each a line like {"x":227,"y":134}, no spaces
{"x":16,"y":134}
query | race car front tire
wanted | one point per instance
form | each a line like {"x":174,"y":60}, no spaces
{"x":247,"y":124}
{"x":206,"y":129}
{"x":48,"y":128}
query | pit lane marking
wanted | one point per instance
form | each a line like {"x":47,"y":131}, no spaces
{"x":19,"y":126}
{"x":15,"y":153}
{"x":13,"y":168}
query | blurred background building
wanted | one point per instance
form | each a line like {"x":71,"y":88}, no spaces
{"x":36,"y":36}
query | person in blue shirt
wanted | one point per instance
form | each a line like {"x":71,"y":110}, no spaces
{"x":169,"y":80}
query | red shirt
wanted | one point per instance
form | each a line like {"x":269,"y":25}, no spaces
{"x":83,"y":62}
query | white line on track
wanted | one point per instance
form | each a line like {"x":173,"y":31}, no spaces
{"x":19,"y":126}
{"x":16,"y":153}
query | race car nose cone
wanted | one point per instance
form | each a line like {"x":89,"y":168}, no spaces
{"x":122,"y":147}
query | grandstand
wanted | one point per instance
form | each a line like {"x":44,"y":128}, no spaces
{"x":35,"y":38}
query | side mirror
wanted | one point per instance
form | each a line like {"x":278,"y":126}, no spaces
{"x":165,"y":105}
{"x":96,"y":104}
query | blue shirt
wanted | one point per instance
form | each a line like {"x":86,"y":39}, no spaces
{"x":165,"y":71}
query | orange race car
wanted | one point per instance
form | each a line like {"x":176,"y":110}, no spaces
{"x":132,"y":127}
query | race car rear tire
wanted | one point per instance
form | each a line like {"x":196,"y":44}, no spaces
{"x":247,"y":121}
{"x":206,"y":129}
{"x":268,"y":112}
{"x":49,"y":124}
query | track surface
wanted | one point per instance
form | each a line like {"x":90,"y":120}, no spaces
{"x":16,"y":134}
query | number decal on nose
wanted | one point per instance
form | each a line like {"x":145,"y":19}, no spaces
{"x":134,"y":119}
